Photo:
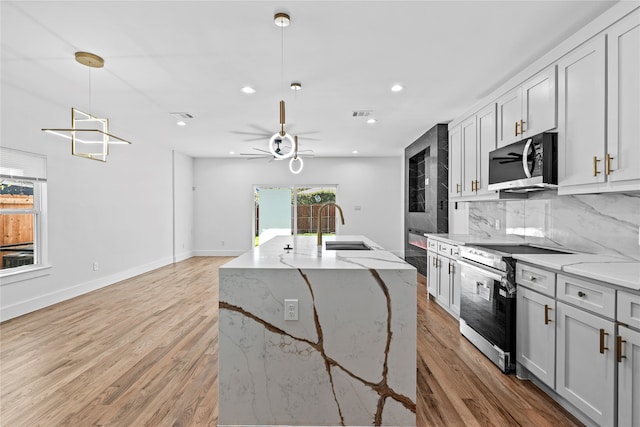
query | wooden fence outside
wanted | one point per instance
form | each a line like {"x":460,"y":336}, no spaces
{"x":16,"y":228}
{"x":308,"y":218}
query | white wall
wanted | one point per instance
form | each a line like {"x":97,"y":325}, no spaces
{"x":118,"y":213}
{"x":224,"y":198}
{"x":183,"y":189}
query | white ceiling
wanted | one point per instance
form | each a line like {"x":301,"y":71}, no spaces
{"x":194,"y":56}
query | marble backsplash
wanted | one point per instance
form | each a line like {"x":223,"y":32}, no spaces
{"x":606,"y":224}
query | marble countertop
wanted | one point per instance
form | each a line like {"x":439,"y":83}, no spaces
{"x":617,"y":271}
{"x":305,"y":255}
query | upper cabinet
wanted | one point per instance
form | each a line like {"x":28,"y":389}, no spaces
{"x":622,"y":161}
{"x":599,"y":106}
{"x":469,"y":145}
{"x":529,"y":109}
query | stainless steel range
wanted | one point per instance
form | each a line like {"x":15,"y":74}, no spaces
{"x":488,"y":298}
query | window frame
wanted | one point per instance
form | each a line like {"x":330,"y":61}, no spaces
{"x":11,"y":169}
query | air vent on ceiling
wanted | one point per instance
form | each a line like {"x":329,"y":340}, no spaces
{"x":182,"y":115}
{"x":362,"y":113}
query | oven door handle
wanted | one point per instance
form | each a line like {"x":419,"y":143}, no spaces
{"x":484,"y":271}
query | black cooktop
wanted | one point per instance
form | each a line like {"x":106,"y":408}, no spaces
{"x":521,"y":249}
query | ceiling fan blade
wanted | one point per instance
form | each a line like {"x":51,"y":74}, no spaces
{"x":238,"y":132}
{"x":262,"y":151}
{"x":261,"y":129}
{"x":261,"y":138}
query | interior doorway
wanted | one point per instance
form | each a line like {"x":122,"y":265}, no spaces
{"x":285,"y":211}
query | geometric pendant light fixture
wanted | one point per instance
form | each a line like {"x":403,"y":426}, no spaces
{"x":89,"y":135}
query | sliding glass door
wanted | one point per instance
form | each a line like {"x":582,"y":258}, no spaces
{"x":293,"y":210}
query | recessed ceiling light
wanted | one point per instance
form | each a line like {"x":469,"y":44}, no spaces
{"x":397,"y":88}
{"x":355,"y":152}
{"x":181,"y":123}
{"x":248,"y":89}
{"x":232,"y":152}
{"x":371,"y":121}
{"x":296,"y":86}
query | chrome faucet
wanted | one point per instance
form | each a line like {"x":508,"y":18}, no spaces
{"x":320,"y":220}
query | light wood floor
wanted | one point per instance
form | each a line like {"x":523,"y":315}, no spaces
{"x":143,"y":352}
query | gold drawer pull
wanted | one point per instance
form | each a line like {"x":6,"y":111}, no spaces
{"x":546,"y":314}
{"x":607,"y":165}
{"x":517,"y":128}
{"x":595,"y":166}
{"x":522,"y":122}
{"x":457,"y":188}
{"x":602,"y":335}
{"x":619,"y":349}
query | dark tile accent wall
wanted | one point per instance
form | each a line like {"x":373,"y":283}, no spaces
{"x":427,"y":190}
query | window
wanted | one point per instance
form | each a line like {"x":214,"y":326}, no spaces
{"x":22,"y":211}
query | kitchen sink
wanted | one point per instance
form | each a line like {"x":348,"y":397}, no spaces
{"x":346,"y":245}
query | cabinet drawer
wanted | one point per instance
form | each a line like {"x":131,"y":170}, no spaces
{"x":588,"y":295}
{"x":629,"y":309}
{"x":432,"y":245}
{"x":448,"y":250}
{"x":541,"y":280}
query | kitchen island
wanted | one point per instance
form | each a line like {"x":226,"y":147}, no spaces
{"x":349,"y":359}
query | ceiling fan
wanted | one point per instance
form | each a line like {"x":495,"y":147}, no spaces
{"x":266,"y":154}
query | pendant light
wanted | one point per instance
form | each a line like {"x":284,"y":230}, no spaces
{"x":281,"y":20}
{"x":89,"y":135}
{"x":296,"y":158}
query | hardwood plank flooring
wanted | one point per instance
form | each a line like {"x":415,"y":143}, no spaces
{"x":143,"y":352}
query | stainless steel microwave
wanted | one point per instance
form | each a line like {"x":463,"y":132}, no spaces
{"x":527,"y":165}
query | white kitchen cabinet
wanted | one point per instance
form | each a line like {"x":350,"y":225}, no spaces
{"x":529,"y":109}
{"x":622,"y":160}
{"x":470,"y":144}
{"x":443,"y":281}
{"x":536,"y":334}
{"x":628,"y":377}
{"x":455,"y":162}
{"x":581,"y":118}
{"x":486,"y":142}
{"x":585,"y":362}
{"x":468,"y":131}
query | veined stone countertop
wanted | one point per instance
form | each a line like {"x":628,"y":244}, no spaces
{"x":305,"y":255}
{"x":350,"y":357}
{"x":617,"y":271}
{"x":622,"y":272}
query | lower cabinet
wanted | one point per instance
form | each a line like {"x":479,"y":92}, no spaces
{"x":536,"y":339}
{"x":628,"y":344}
{"x":586,"y":362}
{"x":443,"y":280}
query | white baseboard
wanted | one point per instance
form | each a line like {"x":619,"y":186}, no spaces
{"x":182,"y":256}
{"x":46,"y":300}
{"x":219,"y":252}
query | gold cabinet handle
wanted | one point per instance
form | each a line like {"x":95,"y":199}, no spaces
{"x":517,"y":128}
{"x":450,"y":269}
{"x":473,"y":185}
{"x":602,"y":335}
{"x":607,"y":164}
{"x":619,"y":349}
{"x":546,"y":314}
{"x":522,"y":122}
{"x":595,"y":166}
{"x":477,"y":185}
{"x":457,"y":188}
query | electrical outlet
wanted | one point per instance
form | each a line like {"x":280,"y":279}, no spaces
{"x":291,"y":309}
{"x":96,"y":266}
{"x":221,"y":242}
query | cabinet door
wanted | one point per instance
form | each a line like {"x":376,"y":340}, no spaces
{"x":433,"y":274}
{"x":454,"y":286}
{"x":585,"y":362}
{"x":629,"y":377}
{"x":581,"y":114}
{"x":469,"y":156}
{"x":623,"y":145}
{"x":539,"y":103}
{"x":443,"y":295}
{"x":455,"y":162}
{"x":536,"y":339}
{"x":486,"y":123}
{"x":509,"y":115}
